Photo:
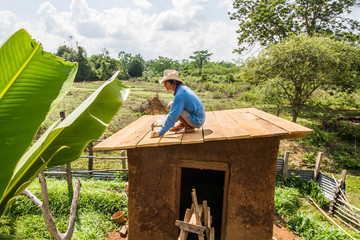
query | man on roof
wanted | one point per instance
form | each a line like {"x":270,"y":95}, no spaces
{"x":187,"y":112}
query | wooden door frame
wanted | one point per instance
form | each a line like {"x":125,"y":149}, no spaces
{"x":217,"y":166}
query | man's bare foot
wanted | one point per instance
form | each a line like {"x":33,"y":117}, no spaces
{"x":177,"y":127}
{"x":186,"y":130}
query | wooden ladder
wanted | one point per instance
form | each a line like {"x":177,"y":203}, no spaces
{"x":194,"y":219}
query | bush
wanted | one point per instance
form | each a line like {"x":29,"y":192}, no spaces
{"x":308,"y":228}
{"x":287,"y":201}
{"x":305,"y":188}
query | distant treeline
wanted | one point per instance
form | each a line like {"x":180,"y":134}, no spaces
{"x":102,"y":66}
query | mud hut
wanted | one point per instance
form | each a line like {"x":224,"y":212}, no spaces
{"x":230,"y":161}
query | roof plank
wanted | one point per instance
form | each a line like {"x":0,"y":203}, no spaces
{"x":289,"y":126}
{"x":170,"y":138}
{"x":248,"y":123}
{"x":212,"y":129}
{"x":229,"y":126}
{"x":129,"y":136}
{"x":219,"y":126}
{"x":148,"y":141}
{"x":195,"y":137}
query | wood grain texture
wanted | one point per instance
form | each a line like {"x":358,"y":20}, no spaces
{"x":219,"y":126}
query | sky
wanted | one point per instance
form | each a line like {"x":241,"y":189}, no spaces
{"x":152,"y":28}
{"x":173,"y":29}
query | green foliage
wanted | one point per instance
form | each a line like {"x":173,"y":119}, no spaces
{"x":200,"y":58}
{"x":103,"y":65}
{"x":309,"y":157}
{"x":156,"y":67}
{"x":308,"y":228}
{"x":269,"y":22}
{"x":32,"y":82}
{"x":287,"y":201}
{"x":302,"y":64}
{"x":305,"y":188}
{"x":136,"y":68}
{"x":288,"y":204}
{"x":98,"y":201}
{"x":122,"y":176}
{"x":84,"y":70}
{"x":38,"y":81}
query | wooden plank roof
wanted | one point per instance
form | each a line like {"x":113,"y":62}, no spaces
{"x":219,"y":126}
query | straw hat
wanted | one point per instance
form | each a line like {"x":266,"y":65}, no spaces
{"x":170,"y":75}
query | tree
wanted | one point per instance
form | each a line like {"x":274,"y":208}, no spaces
{"x":79,"y":56}
{"x":31,"y":84}
{"x":200,"y":58}
{"x":271,"y":21}
{"x":302,"y":64}
{"x":84,"y":71}
{"x":157,"y":66}
{"x":272,"y":93}
{"x":136,"y":68}
{"x":103,"y":65}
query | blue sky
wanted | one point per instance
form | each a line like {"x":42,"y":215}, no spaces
{"x":168,"y":28}
{"x":173,"y":29}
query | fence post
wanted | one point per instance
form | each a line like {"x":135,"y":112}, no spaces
{"x":340,"y":185}
{"x":317,"y":166}
{"x":68,"y":166}
{"x":286,"y":163}
{"x":123,"y":160}
{"x":342,"y":179}
{"x":91,"y":160}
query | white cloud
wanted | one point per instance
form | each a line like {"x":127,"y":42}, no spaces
{"x":142,"y":3}
{"x":8,"y":20}
{"x":173,"y":31}
{"x":184,"y":16}
{"x":54,"y":22}
{"x":89,"y":22}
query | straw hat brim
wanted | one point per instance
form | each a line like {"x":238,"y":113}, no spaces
{"x":169,"y":77}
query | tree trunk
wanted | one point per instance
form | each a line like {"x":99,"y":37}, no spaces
{"x":295,"y":115}
{"x":44,"y":206}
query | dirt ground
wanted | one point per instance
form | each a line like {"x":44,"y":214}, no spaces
{"x":280,"y":232}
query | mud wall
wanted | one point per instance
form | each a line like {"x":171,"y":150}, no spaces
{"x":153,"y":207}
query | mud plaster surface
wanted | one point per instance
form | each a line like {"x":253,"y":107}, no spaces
{"x":153,"y":207}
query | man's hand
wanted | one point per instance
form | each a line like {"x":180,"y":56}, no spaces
{"x":154,"y":134}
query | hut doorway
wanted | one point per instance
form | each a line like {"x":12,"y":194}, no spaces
{"x":210,"y":185}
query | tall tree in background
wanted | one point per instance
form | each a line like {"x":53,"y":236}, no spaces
{"x":103,"y":65}
{"x":136,"y":68}
{"x":271,"y":21}
{"x":301,"y":64}
{"x":131,"y":66}
{"x":157,"y":66}
{"x":200,"y":58}
{"x":68,"y":52}
{"x":84,"y":70}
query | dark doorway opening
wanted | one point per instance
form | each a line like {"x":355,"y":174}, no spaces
{"x":209,"y":185}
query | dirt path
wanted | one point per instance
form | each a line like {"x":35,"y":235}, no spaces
{"x":280,"y":232}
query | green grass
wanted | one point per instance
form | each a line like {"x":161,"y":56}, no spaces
{"x":301,"y":217}
{"x":98,"y":201}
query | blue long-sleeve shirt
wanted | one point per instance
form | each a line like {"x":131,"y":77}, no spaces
{"x":186,"y":99}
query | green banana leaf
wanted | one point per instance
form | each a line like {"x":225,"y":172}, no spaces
{"x":32,"y":82}
{"x":66,"y":142}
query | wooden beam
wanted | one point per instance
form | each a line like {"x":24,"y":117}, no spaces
{"x":197,"y":229}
